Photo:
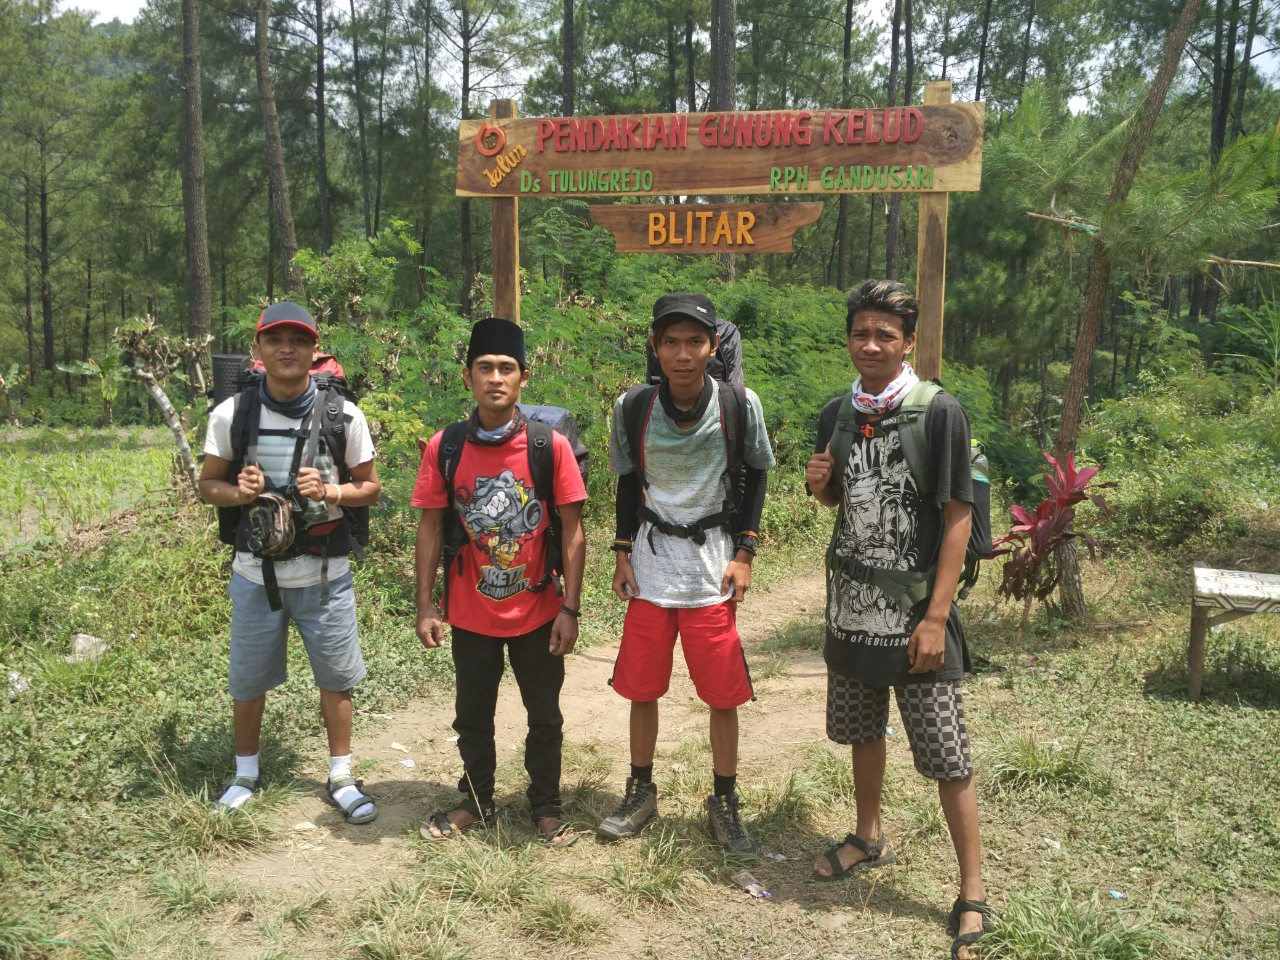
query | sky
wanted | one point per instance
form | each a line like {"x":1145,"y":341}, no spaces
{"x":107,"y":10}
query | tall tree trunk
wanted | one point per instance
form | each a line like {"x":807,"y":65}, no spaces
{"x":382,"y":89}
{"x":199,"y":281}
{"x":1228,"y":76}
{"x":357,"y":94}
{"x":46,"y":279}
{"x":842,"y":221}
{"x":871,"y":230}
{"x":724,"y":80}
{"x":322,"y":158}
{"x":272,"y":242}
{"x":428,"y":179}
{"x":891,"y":100}
{"x":279,"y":185}
{"x":692,"y":91}
{"x":1215,"y":146}
{"x":1099,"y":276}
{"x":673,"y":66}
{"x":1243,"y":83}
{"x":1026,"y":47}
{"x":465,"y":203}
{"x":33,"y":354}
{"x":88,"y":310}
{"x":568,"y":54}
{"x":982,"y":50}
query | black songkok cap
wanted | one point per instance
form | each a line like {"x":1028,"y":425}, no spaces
{"x":493,"y":335}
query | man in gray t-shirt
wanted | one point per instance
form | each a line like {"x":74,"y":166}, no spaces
{"x":691,"y":455}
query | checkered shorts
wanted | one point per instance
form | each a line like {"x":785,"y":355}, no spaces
{"x":932,"y":713}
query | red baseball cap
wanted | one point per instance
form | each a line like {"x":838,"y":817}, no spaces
{"x":286,"y":314}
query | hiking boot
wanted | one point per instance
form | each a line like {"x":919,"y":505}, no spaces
{"x":727,"y":828}
{"x":638,"y":807}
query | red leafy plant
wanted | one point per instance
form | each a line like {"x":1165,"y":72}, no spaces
{"x":1033,"y":570}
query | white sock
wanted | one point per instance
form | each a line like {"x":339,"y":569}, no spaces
{"x":341,"y":767}
{"x":236,"y":796}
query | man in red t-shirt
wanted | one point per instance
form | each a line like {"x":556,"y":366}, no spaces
{"x":499,"y":592}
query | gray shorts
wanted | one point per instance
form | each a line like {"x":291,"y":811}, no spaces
{"x":932,"y":713}
{"x":259,"y":636}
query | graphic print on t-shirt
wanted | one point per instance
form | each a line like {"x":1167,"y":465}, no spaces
{"x":500,"y":516}
{"x":881,"y":515}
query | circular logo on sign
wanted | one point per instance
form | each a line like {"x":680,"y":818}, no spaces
{"x":490,"y":140}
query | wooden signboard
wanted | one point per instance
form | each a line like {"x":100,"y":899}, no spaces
{"x":704,"y":227}
{"x":935,"y":147}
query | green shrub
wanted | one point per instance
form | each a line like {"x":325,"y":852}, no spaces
{"x":1052,"y":923}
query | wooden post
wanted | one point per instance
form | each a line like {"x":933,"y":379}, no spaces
{"x":1195,"y":649}
{"x":506,"y":238}
{"x":931,"y":263}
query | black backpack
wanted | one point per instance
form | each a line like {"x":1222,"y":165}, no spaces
{"x":637,"y":407}
{"x":350,"y":533}
{"x":541,"y":422}
{"x":906,"y":588}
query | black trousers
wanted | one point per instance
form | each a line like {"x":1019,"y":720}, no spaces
{"x":478,"y":661}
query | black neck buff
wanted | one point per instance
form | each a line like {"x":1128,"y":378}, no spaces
{"x":513,"y":428}
{"x":685,"y":416}
{"x":294,"y":409}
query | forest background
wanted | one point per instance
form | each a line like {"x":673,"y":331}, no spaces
{"x":210,"y":157}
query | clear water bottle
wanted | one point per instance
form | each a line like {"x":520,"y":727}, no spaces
{"x":317,"y":510}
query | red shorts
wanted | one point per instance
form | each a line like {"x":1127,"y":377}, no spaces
{"x":712,"y":651}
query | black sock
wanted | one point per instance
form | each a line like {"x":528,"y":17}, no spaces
{"x":725,"y":785}
{"x":642,"y":774}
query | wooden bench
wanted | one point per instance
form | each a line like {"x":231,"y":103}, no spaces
{"x":1236,"y":593}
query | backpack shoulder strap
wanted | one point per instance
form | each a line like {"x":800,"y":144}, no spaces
{"x":245,"y":417}
{"x":542,"y":465}
{"x":449,"y":453}
{"x":846,"y":425}
{"x":637,"y":406}
{"x":733,"y":421}
{"x":333,"y":423}
{"x":912,"y":434}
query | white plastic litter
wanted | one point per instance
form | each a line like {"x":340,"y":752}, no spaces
{"x":304,"y":825}
{"x":18,"y":683}
{"x":87,"y":647}
{"x":1052,"y":844}
{"x":453,"y":739}
{"x":399,"y":746}
{"x":408,"y":763}
{"x":750,"y":884}
{"x":775,"y":856}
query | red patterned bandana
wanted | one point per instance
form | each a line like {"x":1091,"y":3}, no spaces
{"x":889,"y":397}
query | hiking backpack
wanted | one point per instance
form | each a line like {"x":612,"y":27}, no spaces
{"x":906,"y":588}
{"x":637,"y":407}
{"x":326,"y":423}
{"x":541,"y":422}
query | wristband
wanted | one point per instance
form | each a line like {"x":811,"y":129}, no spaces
{"x":747,"y":541}
{"x":622,"y":546}
{"x":565,"y":608}
{"x":338,"y":487}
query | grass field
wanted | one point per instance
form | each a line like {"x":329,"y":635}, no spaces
{"x":1095,"y":776}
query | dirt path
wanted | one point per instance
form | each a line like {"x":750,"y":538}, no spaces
{"x":787,"y":714}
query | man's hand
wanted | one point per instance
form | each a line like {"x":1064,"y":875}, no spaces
{"x":564,"y":634}
{"x":431,"y":627}
{"x":624,"y":575}
{"x":817,"y":472}
{"x":927,"y":647}
{"x":250,"y":482}
{"x":310,"y":484}
{"x":737,"y":573}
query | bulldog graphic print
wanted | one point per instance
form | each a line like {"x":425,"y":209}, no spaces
{"x":881,"y":516}
{"x":500,"y":515}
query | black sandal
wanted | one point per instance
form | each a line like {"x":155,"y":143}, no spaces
{"x":360,"y":800}
{"x":877,"y":856}
{"x":252,"y":784}
{"x":953,"y":924}
{"x":484,"y":816}
{"x":556,"y":839}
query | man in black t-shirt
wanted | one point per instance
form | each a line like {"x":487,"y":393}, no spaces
{"x":890,"y":534}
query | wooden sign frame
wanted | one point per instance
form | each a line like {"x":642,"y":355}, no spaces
{"x":951,"y":132}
